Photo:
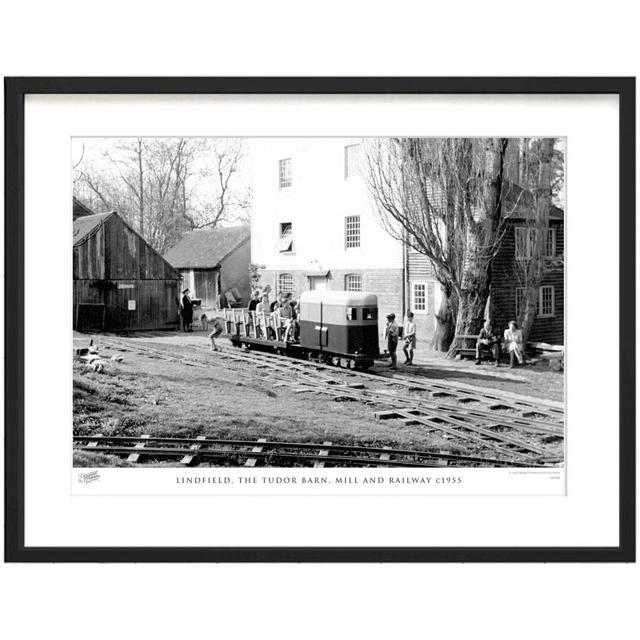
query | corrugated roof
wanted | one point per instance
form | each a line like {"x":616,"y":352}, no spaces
{"x":84,"y":226}
{"x":205,"y":248}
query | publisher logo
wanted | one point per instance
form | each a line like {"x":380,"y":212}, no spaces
{"x":87,"y":478}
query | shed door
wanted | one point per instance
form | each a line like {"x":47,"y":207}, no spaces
{"x":205,"y":286}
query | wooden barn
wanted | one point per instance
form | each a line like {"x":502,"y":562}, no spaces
{"x":214,"y":263}
{"x":120,"y":283}
{"x":507,"y":290}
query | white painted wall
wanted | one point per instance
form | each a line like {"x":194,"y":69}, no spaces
{"x":317,"y":202}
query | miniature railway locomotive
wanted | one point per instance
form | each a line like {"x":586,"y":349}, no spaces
{"x":332,"y":327}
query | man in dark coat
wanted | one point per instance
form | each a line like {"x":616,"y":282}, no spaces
{"x":186,"y":310}
{"x":488,"y":340}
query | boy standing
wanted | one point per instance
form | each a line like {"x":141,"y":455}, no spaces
{"x":409,"y":338}
{"x":391,"y":335}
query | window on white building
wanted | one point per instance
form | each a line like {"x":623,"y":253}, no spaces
{"x":285,"y":243}
{"x":285,"y":283}
{"x":352,"y":232}
{"x":547,"y":302}
{"x":353,"y":282}
{"x":351,"y":160}
{"x":419,"y":297}
{"x":285,"y":173}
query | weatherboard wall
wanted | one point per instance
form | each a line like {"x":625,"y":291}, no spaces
{"x":114,"y":266}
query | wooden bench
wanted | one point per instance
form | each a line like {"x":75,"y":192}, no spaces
{"x":466,"y":351}
{"x":471,"y":351}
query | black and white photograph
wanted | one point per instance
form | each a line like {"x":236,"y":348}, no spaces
{"x":318,"y":302}
{"x":323,"y":320}
{"x":320,"y":323}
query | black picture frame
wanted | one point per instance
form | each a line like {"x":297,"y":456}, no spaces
{"x":15,"y":91}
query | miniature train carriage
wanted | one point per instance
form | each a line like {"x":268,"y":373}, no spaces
{"x":334,"y":326}
{"x":340,"y":323}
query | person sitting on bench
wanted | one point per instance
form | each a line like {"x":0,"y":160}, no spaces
{"x":513,"y":340}
{"x":488,"y":341}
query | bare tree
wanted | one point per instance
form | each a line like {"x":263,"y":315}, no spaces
{"x":443,"y":198}
{"x":227,"y":201}
{"x":166,"y":187}
{"x":130,"y":166}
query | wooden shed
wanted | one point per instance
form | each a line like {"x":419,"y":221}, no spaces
{"x":215,"y":262}
{"x":120,"y":283}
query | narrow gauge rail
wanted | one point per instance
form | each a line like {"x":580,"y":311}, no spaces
{"x":242,"y":330}
{"x":437,"y":389}
{"x":482,"y":429}
{"x":194,"y":451}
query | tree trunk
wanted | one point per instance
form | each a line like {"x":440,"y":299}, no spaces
{"x":529,"y":313}
{"x":470,"y":317}
{"x":445,"y":323}
{"x":483,"y":234}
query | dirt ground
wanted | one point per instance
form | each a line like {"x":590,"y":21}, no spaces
{"x":147,"y":394}
{"x":534,"y":380}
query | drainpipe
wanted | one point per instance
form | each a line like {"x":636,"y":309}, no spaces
{"x":405,"y":277}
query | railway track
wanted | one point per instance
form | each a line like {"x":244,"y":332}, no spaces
{"x":252,"y":453}
{"x":437,"y":389}
{"x":513,"y":436}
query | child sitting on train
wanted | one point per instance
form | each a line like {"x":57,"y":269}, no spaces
{"x":291,"y":331}
{"x":276,"y":321}
{"x":260,"y":315}
{"x":255,"y":300}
